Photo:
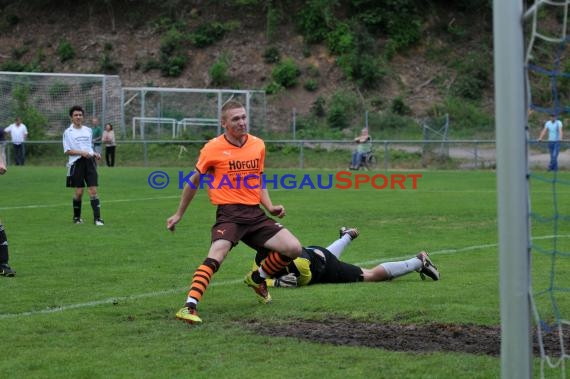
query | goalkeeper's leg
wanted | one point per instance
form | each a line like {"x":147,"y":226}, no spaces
{"x":391,"y":270}
{"x":346,"y":235}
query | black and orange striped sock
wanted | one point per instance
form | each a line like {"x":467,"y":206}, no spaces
{"x":201,"y":279}
{"x":274,"y":263}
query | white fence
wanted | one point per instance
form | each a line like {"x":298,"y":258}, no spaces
{"x":325,"y":154}
{"x":43,"y":99}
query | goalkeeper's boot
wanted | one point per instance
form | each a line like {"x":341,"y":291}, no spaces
{"x":428,"y":268}
{"x":352,"y":232}
{"x":260,"y":289}
{"x":6,"y":270}
{"x":188,"y":314}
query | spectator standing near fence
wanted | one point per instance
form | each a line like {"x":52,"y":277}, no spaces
{"x":81,"y":166}
{"x":97,"y":135}
{"x":18,"y":135}
{"x":554,"y":129}
{"x":110,"y":144}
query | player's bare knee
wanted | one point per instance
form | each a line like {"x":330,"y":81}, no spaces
{"x":293,"y":249}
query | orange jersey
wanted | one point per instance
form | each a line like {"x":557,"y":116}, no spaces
{"x":232,"y":173}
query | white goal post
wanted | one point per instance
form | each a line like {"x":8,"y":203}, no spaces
{"x":191,"y":107}
{"x":190,"y":121}
{"x":155,"y":121}
{"x":512,"y":189}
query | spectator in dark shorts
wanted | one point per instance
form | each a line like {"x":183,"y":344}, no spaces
{"x":81,"y":165}
{"x":5,"y":269}
{"x":227,"y":160}
{"x":318,"y":264}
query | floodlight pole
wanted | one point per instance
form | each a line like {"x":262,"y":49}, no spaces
{"x":512,"y":189}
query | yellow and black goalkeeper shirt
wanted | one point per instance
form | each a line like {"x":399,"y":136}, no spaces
{"x":318,"y":265}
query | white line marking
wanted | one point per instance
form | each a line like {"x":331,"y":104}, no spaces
{"x":452,"y":251}
{"x":112,"y":300}
{"x":119,"y":299}
{"x":37,"y":206}
{"x":431,"y":253}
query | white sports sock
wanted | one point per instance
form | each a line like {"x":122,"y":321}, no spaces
{"x":261,"y":272}
{"x":338,"y":246}
{"x":396,"y":269}
{"x":191,"y":300}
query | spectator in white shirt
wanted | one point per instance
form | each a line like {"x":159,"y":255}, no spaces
{"x":554,"y":129}
{"x":18,"y":135}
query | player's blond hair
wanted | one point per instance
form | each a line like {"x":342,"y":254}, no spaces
{"x":231,"y":104}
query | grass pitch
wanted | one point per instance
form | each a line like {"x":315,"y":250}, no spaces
{"x":99,"y":302}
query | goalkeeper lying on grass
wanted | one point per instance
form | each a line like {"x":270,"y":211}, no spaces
{"x":322,"y":265}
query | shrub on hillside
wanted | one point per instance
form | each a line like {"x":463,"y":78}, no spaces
{"x":286,"y":73}
{"x":271,"y":55}
{"x":65,"y":50}
{"x":219,"y":71}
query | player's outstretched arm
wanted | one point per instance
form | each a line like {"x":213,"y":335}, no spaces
{"x":187,"y":195}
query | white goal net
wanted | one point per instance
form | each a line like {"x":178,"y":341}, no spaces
{"x":43,"y":100}
{"x":548,"y":85}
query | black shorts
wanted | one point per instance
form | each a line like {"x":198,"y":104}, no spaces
{"x":248,"y":223}
{"x":82,"y":172}
{"x":334,"y":270}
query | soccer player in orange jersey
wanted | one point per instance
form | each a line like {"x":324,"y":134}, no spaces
{"x":230,"y":166}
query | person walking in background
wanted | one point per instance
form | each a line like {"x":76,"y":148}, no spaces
{"x":97,"y":135}
{"x":554,"y":129}
{"x":364,"y":146}
{"x":81,"y":165}
{"x":18,"y":135}
{"x":110,"y":144}
{"x":227,"y":160}
{"x":5,"y":269}
{"x":319,"y":265}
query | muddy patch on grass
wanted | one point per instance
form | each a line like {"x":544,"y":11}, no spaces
{"x":467,"y":338}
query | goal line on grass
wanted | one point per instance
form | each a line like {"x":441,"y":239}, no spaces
{"x":38,"y":206}
{"x":119,"y":299}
